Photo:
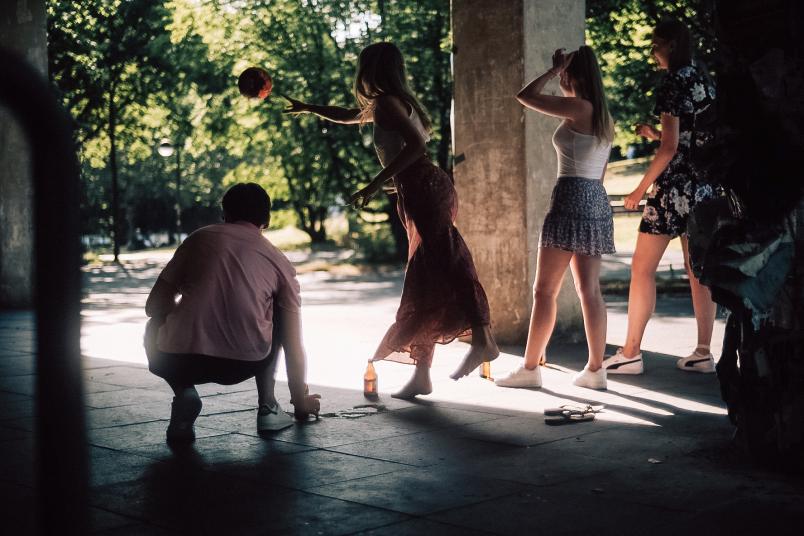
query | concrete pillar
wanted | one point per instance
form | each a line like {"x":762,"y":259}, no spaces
{"x":505,"y":162}
{"x":22,"y":30}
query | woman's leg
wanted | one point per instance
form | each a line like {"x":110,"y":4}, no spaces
{"x":419,"y":383}
{"x":483,"y":349}
{"x":550,"y":268}
{"x":705,"y":309}
{"x":586,"y":274}
{"x":642,"y":293}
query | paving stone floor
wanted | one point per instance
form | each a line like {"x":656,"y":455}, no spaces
{"x":469,"y":459}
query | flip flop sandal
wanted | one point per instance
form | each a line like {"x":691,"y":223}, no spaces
{"x":569,"y":417}
{"x":569,"y":414}
{"x":554,"y":412}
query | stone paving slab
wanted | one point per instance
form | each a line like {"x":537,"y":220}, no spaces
{"x":550,"y":510}
{"x":307,"y":469}
{"x":416,"y":527}
{"x":425,"y":449}
{"x":534,"y":466}
{"x":224,"y":448}
{"x":419,"y":491}
{"x":203,"y":502}
{"x":18,"y":384}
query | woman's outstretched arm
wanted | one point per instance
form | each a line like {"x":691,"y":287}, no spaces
{"x":336,"y":114}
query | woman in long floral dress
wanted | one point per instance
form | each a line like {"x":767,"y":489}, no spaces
{"x":442,"y":298}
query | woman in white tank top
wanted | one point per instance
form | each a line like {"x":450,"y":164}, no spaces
{"x":442,"y":298}
{"x":578,"y":228}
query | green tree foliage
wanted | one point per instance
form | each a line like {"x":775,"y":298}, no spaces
{"x":104,"y":56}
{"x":621,"y":31}
{"x":133,"y":73}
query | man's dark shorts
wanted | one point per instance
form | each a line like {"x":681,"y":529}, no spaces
{"x":194,"y":369}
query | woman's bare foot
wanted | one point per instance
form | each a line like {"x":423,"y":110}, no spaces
{"x":418,"y":385}
{"x":477,"y":354}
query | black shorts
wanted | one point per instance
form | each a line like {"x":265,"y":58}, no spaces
{"x":194,"y":369}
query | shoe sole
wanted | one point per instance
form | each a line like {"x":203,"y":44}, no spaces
{"x":275,"y":428}
{"x":632,"y":366}
{"x":625,"y":371}
{"x":531,"y":386}
{"x":603,"y":387}
{"x":708,"y":370}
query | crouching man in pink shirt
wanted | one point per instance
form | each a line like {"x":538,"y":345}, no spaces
{"x":238,"y":306}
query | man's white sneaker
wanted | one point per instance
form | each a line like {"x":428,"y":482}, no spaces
{"x":183,"y":413}
{"x":591,"y":380}
{"x":619,"y":364}
{"x":696,"y":362}
{"x":522,"y":377}
{"x":272,"y":419}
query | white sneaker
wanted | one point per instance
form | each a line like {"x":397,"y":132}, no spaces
{"x":619,"y":364}
{"x":696,"y":362}
{"x":272,"y":419}
{"x":591,"y":380}
{"x":183,"y":412}
{"x":522,"y":377}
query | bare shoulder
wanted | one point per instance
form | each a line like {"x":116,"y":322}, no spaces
{"x":580,"y":118}
{"x":584,"y":106}
{"x":390,"y":111}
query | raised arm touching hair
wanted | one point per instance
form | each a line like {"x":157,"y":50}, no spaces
{"x":531,"y":96}
{"x":336,"y":114}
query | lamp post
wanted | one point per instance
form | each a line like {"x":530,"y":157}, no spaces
{"x":166,"y":149}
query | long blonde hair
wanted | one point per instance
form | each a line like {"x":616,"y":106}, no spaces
{"x":584,"y":71}
{"x":381,"y":71}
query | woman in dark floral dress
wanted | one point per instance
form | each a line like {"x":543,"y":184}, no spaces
{"x":442,"y":298}
{"x":676,"y":187}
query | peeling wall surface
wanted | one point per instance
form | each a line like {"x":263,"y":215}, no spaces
{"x":22,"y":29}
{"x":505,"y":162}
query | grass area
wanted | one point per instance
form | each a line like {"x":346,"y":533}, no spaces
{"x":623,"y":176}
{"x":621,"y":179}
{"x":626,"y":229}
{"x":289,"y":238}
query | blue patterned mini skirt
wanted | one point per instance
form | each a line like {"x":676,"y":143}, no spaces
{"x":580,"y":218}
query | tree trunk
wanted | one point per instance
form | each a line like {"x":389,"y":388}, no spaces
{"x":114,"y":174}
{"x":311,"y":221}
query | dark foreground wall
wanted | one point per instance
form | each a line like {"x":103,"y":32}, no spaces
{"x":755,"y":256}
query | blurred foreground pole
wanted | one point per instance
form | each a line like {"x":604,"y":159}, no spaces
{"x":61,"y":459}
